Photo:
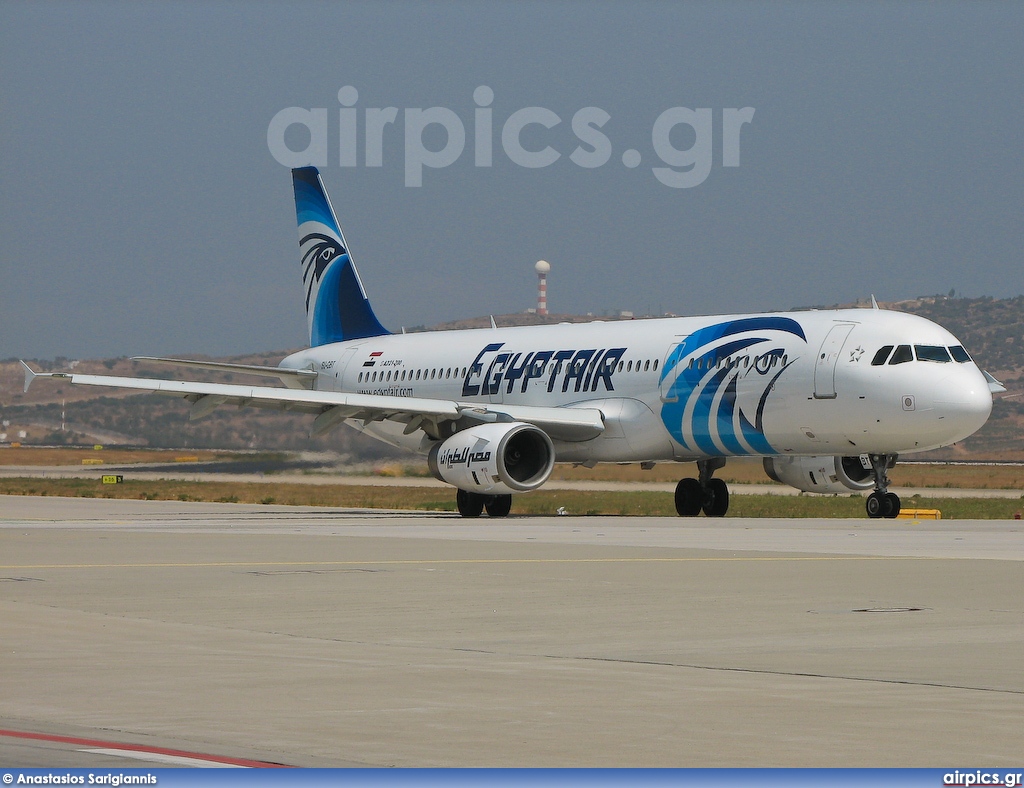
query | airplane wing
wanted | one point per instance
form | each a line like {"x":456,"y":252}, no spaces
{"x":292,"y":378}
{"x":333,"y":407}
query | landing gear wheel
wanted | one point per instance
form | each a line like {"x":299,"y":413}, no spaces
{"x":498,"y":505}
{"x":883,"y":504}
{"x":469,"y":504}
{"x":689,"y":498}
{"x":716,"y":498}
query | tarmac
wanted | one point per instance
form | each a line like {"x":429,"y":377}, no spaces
{"x":150,"y":472}
{"x":152,"y":633}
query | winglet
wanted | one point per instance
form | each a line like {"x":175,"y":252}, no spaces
{"x":874,"y":303}
{"x":30,"y":374}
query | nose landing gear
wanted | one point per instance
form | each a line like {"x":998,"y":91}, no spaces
{"x":882,"y":503}
{"x":706,"y":493}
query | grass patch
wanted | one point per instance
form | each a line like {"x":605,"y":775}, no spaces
{"x":543,"y":502}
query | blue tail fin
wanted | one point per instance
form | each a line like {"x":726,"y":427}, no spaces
{"x":336,"y":305}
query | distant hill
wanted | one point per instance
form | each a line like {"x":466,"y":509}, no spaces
{"x":991,"y":329}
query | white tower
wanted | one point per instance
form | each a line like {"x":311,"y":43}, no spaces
{"x":542,"y":268}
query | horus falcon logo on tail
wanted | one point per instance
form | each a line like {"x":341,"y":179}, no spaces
{"x":336,"y":305}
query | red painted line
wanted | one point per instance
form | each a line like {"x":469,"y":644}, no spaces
{"x":141,"y":748}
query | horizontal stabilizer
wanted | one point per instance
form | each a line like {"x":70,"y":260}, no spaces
{"x":994,"y":385}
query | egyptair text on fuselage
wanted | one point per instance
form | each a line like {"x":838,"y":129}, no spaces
{"x":580,"y":370}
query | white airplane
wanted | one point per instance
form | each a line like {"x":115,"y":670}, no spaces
{"x":829,"y":399}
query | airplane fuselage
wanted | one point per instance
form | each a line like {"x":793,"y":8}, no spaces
{"x":799,"y":383}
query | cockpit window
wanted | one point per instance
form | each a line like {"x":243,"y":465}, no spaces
{"x":960,"y":355}
{"x":881,"y":356}
{"x":932,"y":353}
{"x":902,"y":355}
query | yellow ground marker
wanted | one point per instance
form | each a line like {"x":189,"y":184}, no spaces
{"x":919,"y":514}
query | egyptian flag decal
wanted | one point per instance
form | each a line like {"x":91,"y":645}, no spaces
{"x":373,"y":359}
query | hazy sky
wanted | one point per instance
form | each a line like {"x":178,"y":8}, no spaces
{"x":143,"y":213}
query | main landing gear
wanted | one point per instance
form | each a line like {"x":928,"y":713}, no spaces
{"x":473,"y":504}
{"x":882,"y":503}
{"x":704,"y":493}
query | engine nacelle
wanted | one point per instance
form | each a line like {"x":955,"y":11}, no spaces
{"x":495,"y":459}
{"x":821,"y":474}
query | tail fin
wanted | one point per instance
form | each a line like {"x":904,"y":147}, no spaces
{"x":336,"y":305}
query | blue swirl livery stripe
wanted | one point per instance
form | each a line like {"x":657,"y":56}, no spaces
{"x":702,"y":409}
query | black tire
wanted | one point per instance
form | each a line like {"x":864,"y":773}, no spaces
{"x":498,"y":505}
{"x":716,"y":498}
{"x":689,"y":498}
{"x":893,"y":505}
{"x":469,"y":504}
{"x":876,"y":505}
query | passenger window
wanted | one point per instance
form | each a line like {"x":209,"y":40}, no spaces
{"x":932,"y":353}
{"x":647,"y":366}
{"x":902,"y":355}
{"x":960,"y":355}
{"x":881,"y":356}
{"x":655,"y":365}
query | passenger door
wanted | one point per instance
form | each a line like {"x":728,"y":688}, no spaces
{"x":828,"y":357}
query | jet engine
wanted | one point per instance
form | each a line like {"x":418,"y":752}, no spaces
{"x":494,"y":459}
{"x":821,"y":474}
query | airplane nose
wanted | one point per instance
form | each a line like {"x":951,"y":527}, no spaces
{"x":965,"y":403}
